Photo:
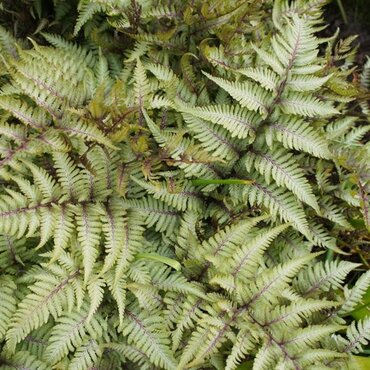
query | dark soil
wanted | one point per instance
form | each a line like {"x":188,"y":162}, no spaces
{"x":354,"y":21}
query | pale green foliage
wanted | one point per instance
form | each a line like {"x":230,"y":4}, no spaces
{"x":113,"y":257}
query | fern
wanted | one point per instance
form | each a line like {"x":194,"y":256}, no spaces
{"x":168,"y":180}
{"x":147,"y":335}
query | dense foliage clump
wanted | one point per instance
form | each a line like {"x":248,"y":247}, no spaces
{"x":179,"y":182}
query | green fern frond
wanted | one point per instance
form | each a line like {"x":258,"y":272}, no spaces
{"x":277,"y":201}
{"x":241,"y":348}
{"x":323,"y":276}
{"x":249,"y":95}
{"x":240,"y":122}
{"x":87,"y":355}
{"x":281,"y":166}
{"x":150,"y":171}
{"x":295,"y":133}
{"x":267,"y":78}
{"x":358,"y":336}
{"x":28,"y":115}
{"x":50,"y":295}
{"x":353,"y":296}
{"x":88,"y":235}
{"x":163,"y":217}
{"x":302,"y":105}
{"x":148,"y":335}
{"x":70,"y":331}
{"x":8,"y":303}
{"x":214,"y":139}
{"x":23,"y":359}
{"x":133,"y":239}
{"x":182,"y":197}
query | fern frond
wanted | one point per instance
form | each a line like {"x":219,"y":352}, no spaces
{"x":239,"y":121}
{"x":306,"y":83}
{"x":8,"y":303}
{"x":365,"y":75}
{"x":276,"y":200}
{"x":190,"y":312}
{"x":275,"y":279}
{"x":88,"y":235}
{"x":23,"y":359}
{"x":227,"y":241}
{"x":358,"y":336}
{"x":95,"y":289}
{"x":333,"y":212}
{"x":113,"y":227}
{"x":87,"y":10}
{"x":267,"y":78}
{"x":70,"y":178}
{"x":353,"y":296}
{"x":281,"y":166}
{"x":87,"y":355}
{"x":245,"y":260}
{"x":70,"y":331}
{"x":306,"y":106}
{"x":141,"y":89}
{"x":214,"y":139}
{"x":133,"y":240}
{"x":85,"y":131}
{"x":323,"y":276}
{"x":48,"y":296}
{"x":34,"y":117}
{"x":149,"y":336}
{"x":241,"y":348}
{"x":182,"y":198}
{"x":295,"y":133}
{"x":294,"y":314}
{"x":158,"y":214}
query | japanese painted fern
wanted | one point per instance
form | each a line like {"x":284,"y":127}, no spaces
{"x":167,"y":186}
